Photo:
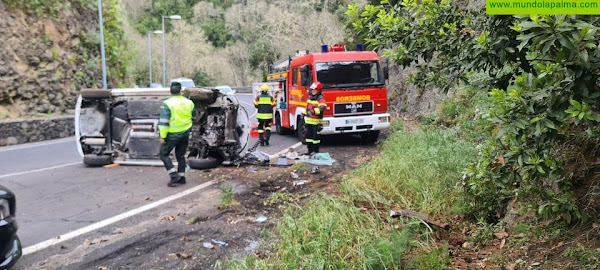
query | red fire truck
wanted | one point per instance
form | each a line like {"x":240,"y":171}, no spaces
{"x":353,"y":86}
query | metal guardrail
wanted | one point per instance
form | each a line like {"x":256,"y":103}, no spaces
{"x":242,"y":89}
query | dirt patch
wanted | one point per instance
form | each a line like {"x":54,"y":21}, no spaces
{"x":234,"y":221}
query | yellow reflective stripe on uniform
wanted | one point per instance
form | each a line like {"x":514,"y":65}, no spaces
{"x":308,"y":140}
{"x":265,"y":101}
{"x":312,"y":121}
{"x":322,"y":104}
{"x":312,"y":101}
{"x":264,"y":116}
{"x":317,"y":111}
{"x":316,"y":141}
{"x":268,"y":128}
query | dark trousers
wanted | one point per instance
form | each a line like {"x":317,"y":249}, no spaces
{"x":313,"y":138}
{"x":264,"y":130}
{"x":180,"y":143}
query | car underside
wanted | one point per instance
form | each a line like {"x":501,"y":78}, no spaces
{"x":121,"y":126}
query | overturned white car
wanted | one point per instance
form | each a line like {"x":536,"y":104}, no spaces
{"x":121,"y":126}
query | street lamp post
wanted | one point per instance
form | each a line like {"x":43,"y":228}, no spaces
{"x":150,"y":54}
{"x":103,"y":55}
{"x":173,"y":17}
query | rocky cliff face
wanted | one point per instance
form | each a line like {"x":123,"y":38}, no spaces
{"x":45,"y":60}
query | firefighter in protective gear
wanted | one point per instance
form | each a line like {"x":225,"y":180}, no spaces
{"x":174,"y":125}
{"x":264,"y":103}
{"x":315,"y":107}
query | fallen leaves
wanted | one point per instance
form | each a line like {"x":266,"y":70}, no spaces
{"x":148,"y":199}
{"x":184,"y":256}
{"x":185,"y":239}
{"x":169,"y":218}
{"x":501,"y":235}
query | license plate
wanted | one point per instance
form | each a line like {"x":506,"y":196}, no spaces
{"x":354,"y":121}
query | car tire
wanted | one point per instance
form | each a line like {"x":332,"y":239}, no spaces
{"x":370,"y":137}
{"x":203,"y":163}
{"x":301,"y":130}
{"x":97,"y":160}
{"x":280,"y":130}
{"x":95,"y":93}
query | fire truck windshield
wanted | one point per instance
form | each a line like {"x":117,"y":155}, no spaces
{"x":349,"y":74}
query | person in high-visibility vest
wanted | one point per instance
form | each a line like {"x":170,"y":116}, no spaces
{"x":264,"y":103}
{"x":315,"y":107}
{"x":175,"y":124}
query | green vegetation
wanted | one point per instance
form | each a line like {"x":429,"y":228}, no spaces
{"x":541,"y":75}
{"x":45,"y":7}
{"x":280,"y":197}
{"x":227,"y":197}
{"x":419,"y":171}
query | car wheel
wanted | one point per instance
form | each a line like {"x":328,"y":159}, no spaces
{"x":97,"y":160}
{"x":370,"y":137}
{"x":301,"y":130}
{"x":95,"y":93}
{"x":203,"y":163}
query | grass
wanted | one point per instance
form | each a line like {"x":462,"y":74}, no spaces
{"x":227,"y":197}
{"x":280,"y":197}
{"x":420,"y":171}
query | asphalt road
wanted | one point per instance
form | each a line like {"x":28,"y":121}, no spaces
{"x":57,"y":194}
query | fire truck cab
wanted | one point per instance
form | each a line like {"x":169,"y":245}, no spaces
{"x":353,"y":86}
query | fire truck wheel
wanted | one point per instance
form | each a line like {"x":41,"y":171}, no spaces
{"x":203,"y":163}
{"x":301,"y":130}
{"x":97,"y":160}
{"x":370,"y":137}
{"x":280,"y":130}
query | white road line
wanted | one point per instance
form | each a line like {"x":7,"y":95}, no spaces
{"x":106,"y":222}
{"x":38,"y":144}
{"x":284,"y":150}
{"x":39,"y":170}
{"x":245,"y":94}
{"x":251,"y":105}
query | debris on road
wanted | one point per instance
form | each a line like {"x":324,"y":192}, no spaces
{"x":219,"y":243}
{"x":87,"y":243}
{"x":300,"y":183}
{"x":261,"y":219}
{"x":113,"y":165}
{"x":208,"y":245}
{"x":414,"y":214}
{"x":147,"y":199}
{"x":282,"y":161}
{"x":294,"y":175}
{"x":319,"y":159}
{"x":102,"y":268}
{"x":314,"y":170}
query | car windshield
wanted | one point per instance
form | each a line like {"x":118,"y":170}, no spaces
{"x":349,"y":74}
